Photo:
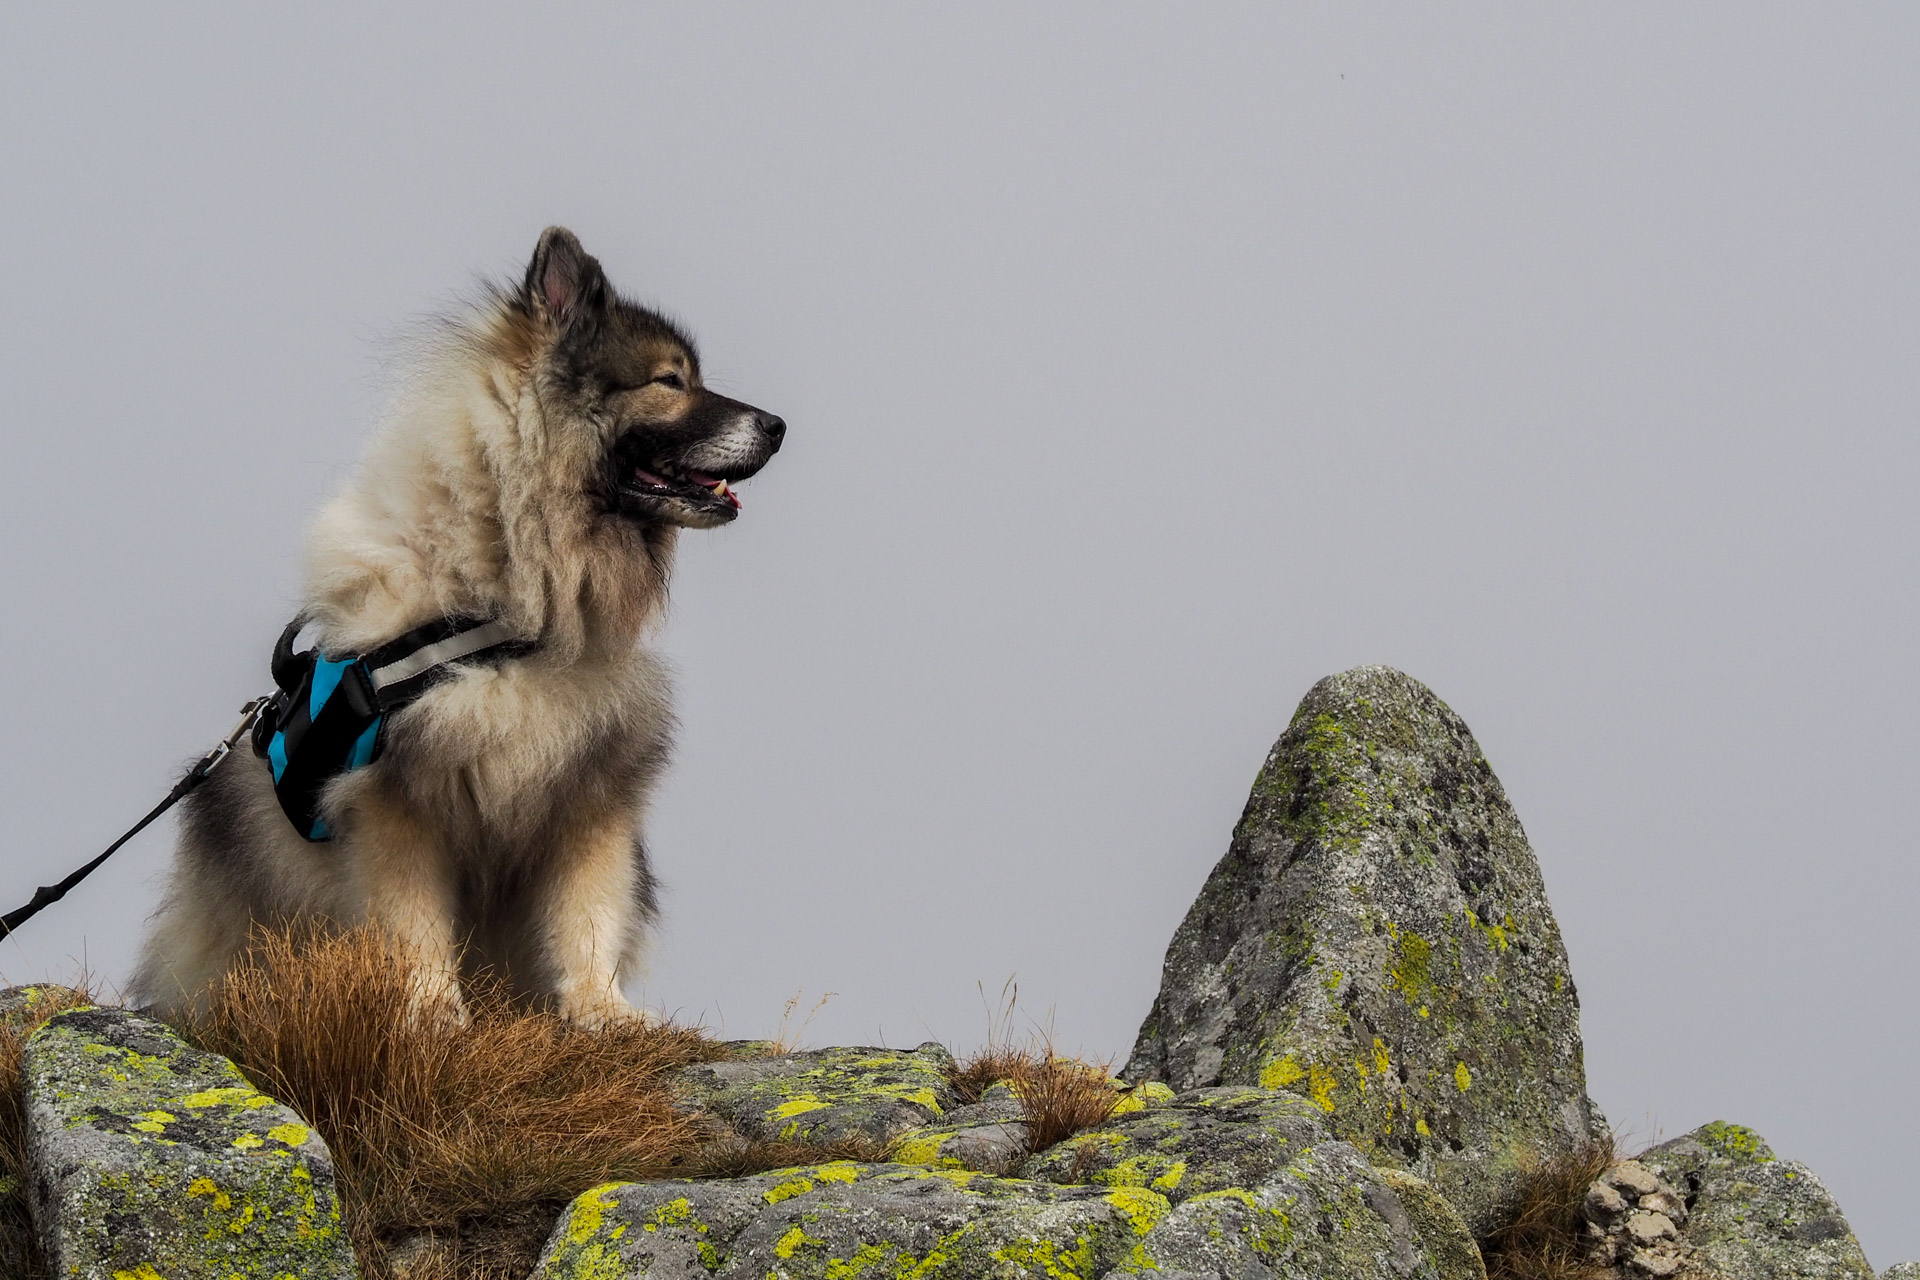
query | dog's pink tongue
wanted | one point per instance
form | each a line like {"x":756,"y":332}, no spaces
{"x":647,"y":477}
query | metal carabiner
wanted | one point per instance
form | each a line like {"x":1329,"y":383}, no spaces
{"x":248,"y":714}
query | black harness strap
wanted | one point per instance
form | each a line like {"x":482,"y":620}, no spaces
{"x":330,"y":715}
{"x":311,"y":739}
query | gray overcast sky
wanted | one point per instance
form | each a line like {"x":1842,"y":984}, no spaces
{"x":1143,"y":365}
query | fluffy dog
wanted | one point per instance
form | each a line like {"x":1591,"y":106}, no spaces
{"x":538,"y":471}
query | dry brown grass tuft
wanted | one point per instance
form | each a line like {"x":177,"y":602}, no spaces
{"x":1059,"y":1096}
{"x":1544,"y":1238}
{"x":995,"y":1064}
{"x":478,"y":1134}
{"x":1062,"y":1096}
{"x":19,"y":1247}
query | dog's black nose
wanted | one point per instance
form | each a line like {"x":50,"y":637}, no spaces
{"x":776,"y":429}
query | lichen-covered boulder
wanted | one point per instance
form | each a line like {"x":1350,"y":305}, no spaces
{"x":1902,"y":1271}
{"x":1377,"y":940}
{"x":1200,"y":1141}
{"x":20,"y":1005}
{"x":152,"y":1158}
{"x":825,"y":1095}
{"x":1327,"y":1215}
{"x":1752,"y":1216}
{"x":1228,"y":1143}
{"x":21,"y":1009}
{"x":1439,"y":1225}
{"x":848,"y":1220}
{"x":984,"y":1144}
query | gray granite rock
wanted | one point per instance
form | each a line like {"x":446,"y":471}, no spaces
{"x":151,"y":1158}
{"x":825,"y":1095}
{"x":1201,"y":1141}
{"x":20,"y":1004}
{"x":1753,"y":1216}
{"x":847,"y":1220}
{"x":22,"y":1008}
{"x":1238,"y":1141}
{"x":1632,"y":1233}
{"x":1377,"y":940}
{"x":1325,"y":1215}
{"x":984,"y":1146}
{"x":1902,"y":1271}
{"x":1240,"y":1182}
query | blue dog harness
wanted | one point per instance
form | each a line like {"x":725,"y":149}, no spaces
{"x":329,"y":716}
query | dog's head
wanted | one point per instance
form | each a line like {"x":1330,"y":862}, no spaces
{"x":669,"y":451}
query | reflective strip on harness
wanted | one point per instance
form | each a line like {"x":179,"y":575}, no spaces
{"x":452,"y":649}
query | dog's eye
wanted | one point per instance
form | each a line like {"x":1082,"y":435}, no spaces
{"x":673,"y":380}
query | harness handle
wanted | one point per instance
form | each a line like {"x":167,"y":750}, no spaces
{"x":290,"y":668}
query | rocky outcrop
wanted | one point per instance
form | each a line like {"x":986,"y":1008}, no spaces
{"x":1236,"y":1182}
{"x":151,"y":1158}
{"x":1228,"y":1148}
{"x":825,"y":1095}
{"x":846,"y":1219}
{"x":1377,"y":940}
{"x":988,"y":1136}
{"x":1365,"y":1035}
{"x":19,"y":1006}
{"x":1750,"y":1215}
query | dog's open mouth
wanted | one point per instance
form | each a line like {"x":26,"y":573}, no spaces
{"x":687,"y":476}
{"x":664,"y":480}
{"x":653,"y":488}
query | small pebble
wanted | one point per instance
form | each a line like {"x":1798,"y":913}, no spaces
{"x":1655,"y":1262}
{"x":1603,"y":1205}
{"x":1665,"y":1202}
{"x":1633,"y":1178}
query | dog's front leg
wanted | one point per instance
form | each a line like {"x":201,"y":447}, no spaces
{"x":587,"y":924}
{"x":406,"y":879}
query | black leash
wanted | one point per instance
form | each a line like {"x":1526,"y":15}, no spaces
{"x":48,"y":894}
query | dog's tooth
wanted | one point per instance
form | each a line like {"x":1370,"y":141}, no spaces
{"x":720,"y":490}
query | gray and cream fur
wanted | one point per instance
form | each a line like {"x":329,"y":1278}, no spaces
{"x":537,"y":470}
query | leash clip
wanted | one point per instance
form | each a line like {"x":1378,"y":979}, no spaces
{"x":248,"y":714}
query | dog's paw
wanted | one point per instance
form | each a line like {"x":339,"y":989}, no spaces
{"x":605,"y":1012}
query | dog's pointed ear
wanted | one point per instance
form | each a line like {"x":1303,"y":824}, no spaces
{"x":564,"y":281}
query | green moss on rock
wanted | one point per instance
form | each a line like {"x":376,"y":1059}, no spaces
{"x":1752,"y":1215}
{"x":1326,"y":1214}
{"x":844,"y":1221}
{"x":1230,"y":1181}
{"x":826,"y":1095}
{"x":1377,"y":940}
{"x":1204,"y":1141}
{"x":151,"y":1157}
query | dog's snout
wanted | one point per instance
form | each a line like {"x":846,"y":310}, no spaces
{"x":774,"y":428}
